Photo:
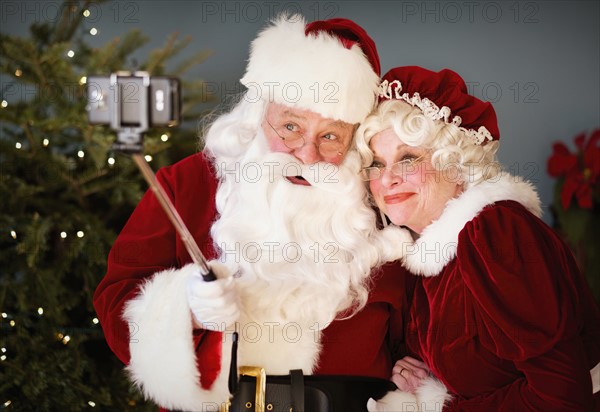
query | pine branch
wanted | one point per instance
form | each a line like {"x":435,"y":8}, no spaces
{"x":112,"y":57}
{"x":155,"y":64}
{"x":196,"y":59}
{"x":65,"y":22}
{"x":26,"y":127}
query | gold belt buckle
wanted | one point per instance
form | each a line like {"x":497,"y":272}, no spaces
{"x":261,"y":386}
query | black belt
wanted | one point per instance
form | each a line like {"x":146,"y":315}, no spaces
{"x":296,"y":392}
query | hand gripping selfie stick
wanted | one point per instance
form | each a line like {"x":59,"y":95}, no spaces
{"x":190,"y":245}
{"x":130,"y":104}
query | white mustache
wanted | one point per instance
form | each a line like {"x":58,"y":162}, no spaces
{"x":331,"y":178}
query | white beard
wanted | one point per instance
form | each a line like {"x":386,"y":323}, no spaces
{"x":301,"y":254}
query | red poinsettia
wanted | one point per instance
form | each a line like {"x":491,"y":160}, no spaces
{"x":581,"y":170}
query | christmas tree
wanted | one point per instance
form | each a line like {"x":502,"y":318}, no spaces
{"x":64,"y":196}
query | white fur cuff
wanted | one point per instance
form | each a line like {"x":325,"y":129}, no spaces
{"x":430,"y":396}
{"x":163,"y":360}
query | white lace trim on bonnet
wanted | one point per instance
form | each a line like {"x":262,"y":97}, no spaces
{"x":392,"y":90}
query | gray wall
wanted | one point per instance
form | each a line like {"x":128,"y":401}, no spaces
{"x":537,"y":61}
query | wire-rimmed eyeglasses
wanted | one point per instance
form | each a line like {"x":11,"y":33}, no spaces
{"x":295,"y":140}
{"x":401,"y":169}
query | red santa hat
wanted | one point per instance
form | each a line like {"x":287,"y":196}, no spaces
{"x":330,"y":67}
{"x":442,"y":95}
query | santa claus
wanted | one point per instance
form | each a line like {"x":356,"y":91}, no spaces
{"x":275,"y":201}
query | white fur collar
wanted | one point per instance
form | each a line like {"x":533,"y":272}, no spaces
{"x":436,"y":247}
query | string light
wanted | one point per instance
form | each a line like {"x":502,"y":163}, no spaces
{"x":111,"y":161}
{"x":148,"y":158}
{"x":92,"y":404}
{"x":93,"y":31}
{"x":12,"y":323}
{"x":13,"y":234}
{"x":95,"y":321}
{"x":63,"y":235}
{"x":70,"y":53}
{"x":4,"y":103}
{"x":46,"y":142}
{"x":18,"y":145}
{"x":86,"y":13}
{"x":80,"y":233}
{"x":40,"y":311}
{"x":18,"y":72}
{"x":80,"y":154}
{"x":4,"y":315}
{"x":3,"y":357}
{"x":83,"y":80}
{"x":63,"y":338}
{"x":164,"y":137}
{"x":7,"y":403}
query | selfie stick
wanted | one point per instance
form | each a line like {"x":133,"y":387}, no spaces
{"x":129,"y":140}
{"x":129,"y":119}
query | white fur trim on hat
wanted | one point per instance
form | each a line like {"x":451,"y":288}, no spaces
{"x":163,"y":359}
{"x":314,"y":72}
{"x":436,"y":247}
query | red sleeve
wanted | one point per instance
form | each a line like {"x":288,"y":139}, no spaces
{"x":148,"y":244}
{"x":555,"y":381}
{"x":528,"y":310}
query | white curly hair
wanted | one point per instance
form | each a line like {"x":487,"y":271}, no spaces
{"x":449,"y":145}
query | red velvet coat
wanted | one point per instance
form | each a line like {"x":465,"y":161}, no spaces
{"x":503,"y":316}
{"x":366,"y":344}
